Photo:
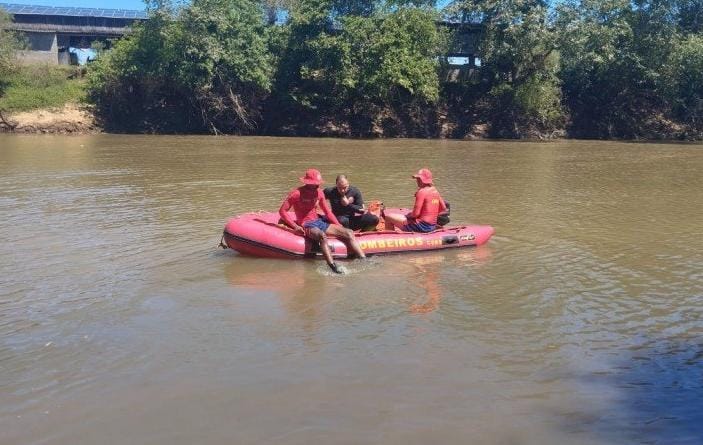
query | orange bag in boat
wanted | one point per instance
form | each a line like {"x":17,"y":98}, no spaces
{"x":375,"y":208}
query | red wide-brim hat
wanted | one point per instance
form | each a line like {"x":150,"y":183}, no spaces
{"x":312,"y":177}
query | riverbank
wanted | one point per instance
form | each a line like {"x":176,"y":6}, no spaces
{"x":46,"y":99}
{"x":71,"y":118}
{"x":80,"y":118}
{"x":74,"y":118}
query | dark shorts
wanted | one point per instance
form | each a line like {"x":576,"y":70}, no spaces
{"x":367,"y":221}
{"x":318,"y":223}
{"x":419,"y":226}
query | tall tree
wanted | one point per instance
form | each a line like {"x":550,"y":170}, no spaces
{"x":690,"y":16}
{"x":225,"y":65}
{"x":9,"y":44}
{"x":202,"y":67}
{"x":519,"y":63}
{"x":616,"y":65}
{"x":687,"y":84}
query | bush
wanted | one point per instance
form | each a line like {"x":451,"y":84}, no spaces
{"x":370,"y":65}
{"x":395,"y":55}
{"x":203,"y":70}
{"x":41,"y":86}
{"x":9,"y":44}
{"x":688,"y":81}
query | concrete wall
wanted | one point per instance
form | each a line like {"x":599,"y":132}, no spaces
{"x":41,"y":48}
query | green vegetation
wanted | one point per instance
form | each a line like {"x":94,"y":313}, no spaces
{"x":687,"y":83}
{"x":619,"y":63}
{"x":584,"y":68}
{"x":375,"y":70}
{"x":25,"y":88}
{"x":519,"y":92}
{"x":41,"y":86}
{"x":9,"y":44}
{"x":205,"y":68}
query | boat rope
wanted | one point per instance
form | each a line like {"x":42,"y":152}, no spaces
{"x":222,"y":242}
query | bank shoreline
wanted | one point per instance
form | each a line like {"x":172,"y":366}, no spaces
{"x":72,"y":118}
{"x":79,"y":119}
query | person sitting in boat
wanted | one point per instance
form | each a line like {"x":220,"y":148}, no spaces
{"x":348,"y":206}
{"x":428,"y":205}
{"x":304,"y":201}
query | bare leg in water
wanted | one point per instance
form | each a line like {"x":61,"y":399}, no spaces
{"x":319,"y":236}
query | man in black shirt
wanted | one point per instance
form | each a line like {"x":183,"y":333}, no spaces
{"x":348,"y":206}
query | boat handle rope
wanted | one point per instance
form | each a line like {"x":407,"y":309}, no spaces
{"x":222,"y":242}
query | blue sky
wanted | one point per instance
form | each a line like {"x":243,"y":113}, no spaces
{"x":112,"y":4}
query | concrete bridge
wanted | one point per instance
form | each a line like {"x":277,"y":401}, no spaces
{"x":52,"y":33}
{"x":464,"y":46}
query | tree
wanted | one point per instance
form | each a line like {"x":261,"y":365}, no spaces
{"x":519,"y":64}
{"x":304,"y":88}
{"x":395,"y":55}
{"x":225,"y":67}
{"x":130,"y":83}
{"x":204,"y":68}
{"x":687,"y":85}
{"x":9,"y":44}
{"x":616,"y":65}
{"x":356,"y":69}
{"x":690,"y":16}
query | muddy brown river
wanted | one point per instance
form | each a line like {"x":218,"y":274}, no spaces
{"x":121,"y":322}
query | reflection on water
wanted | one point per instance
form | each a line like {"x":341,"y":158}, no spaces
{"x":120,"y":321}
{"x":428,"y":274}
{"x":427,"y":277}
{"x":300,"y":284}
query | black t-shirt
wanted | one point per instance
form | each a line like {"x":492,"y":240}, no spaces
{"x":335,"y":198}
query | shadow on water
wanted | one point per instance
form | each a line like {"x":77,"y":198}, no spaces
{"x":654,"y":395}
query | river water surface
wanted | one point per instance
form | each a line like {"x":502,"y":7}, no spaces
{"x":121,"y":322}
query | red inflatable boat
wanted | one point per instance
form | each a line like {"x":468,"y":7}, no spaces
{"x":259,"y":234}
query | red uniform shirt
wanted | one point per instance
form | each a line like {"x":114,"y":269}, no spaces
{"x":304,"y":202}
{"x":428,"y":204}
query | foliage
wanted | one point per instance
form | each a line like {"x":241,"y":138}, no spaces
{"x":42,"y":86}
{"x":225,"y":68}
{"x":687,"y":84}
{"x":128,"y":82}
{"x":301,"y":83}
{"x":384,"y":60}
{"x":520,"y":64}
{"x":689,"y":15}
{"x":203,"y":68}
{"x":616,"y":65}
{"x":539,"y":94}
{"x":9,"y":44}
{"x":395,"y":55}
{"x":601,"y":68}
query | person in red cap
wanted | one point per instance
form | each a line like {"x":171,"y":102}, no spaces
{"x":428,"y":205}
{"x":304,"y":201}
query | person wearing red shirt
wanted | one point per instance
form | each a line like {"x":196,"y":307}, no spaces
{"x":428,"y":205}
{"x":304,"y":201}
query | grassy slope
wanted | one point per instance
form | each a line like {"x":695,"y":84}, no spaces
{"x":42,"y":86}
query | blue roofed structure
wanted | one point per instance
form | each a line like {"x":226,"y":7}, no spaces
{"x":54,"y":33}
{"x":69,"y":11}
